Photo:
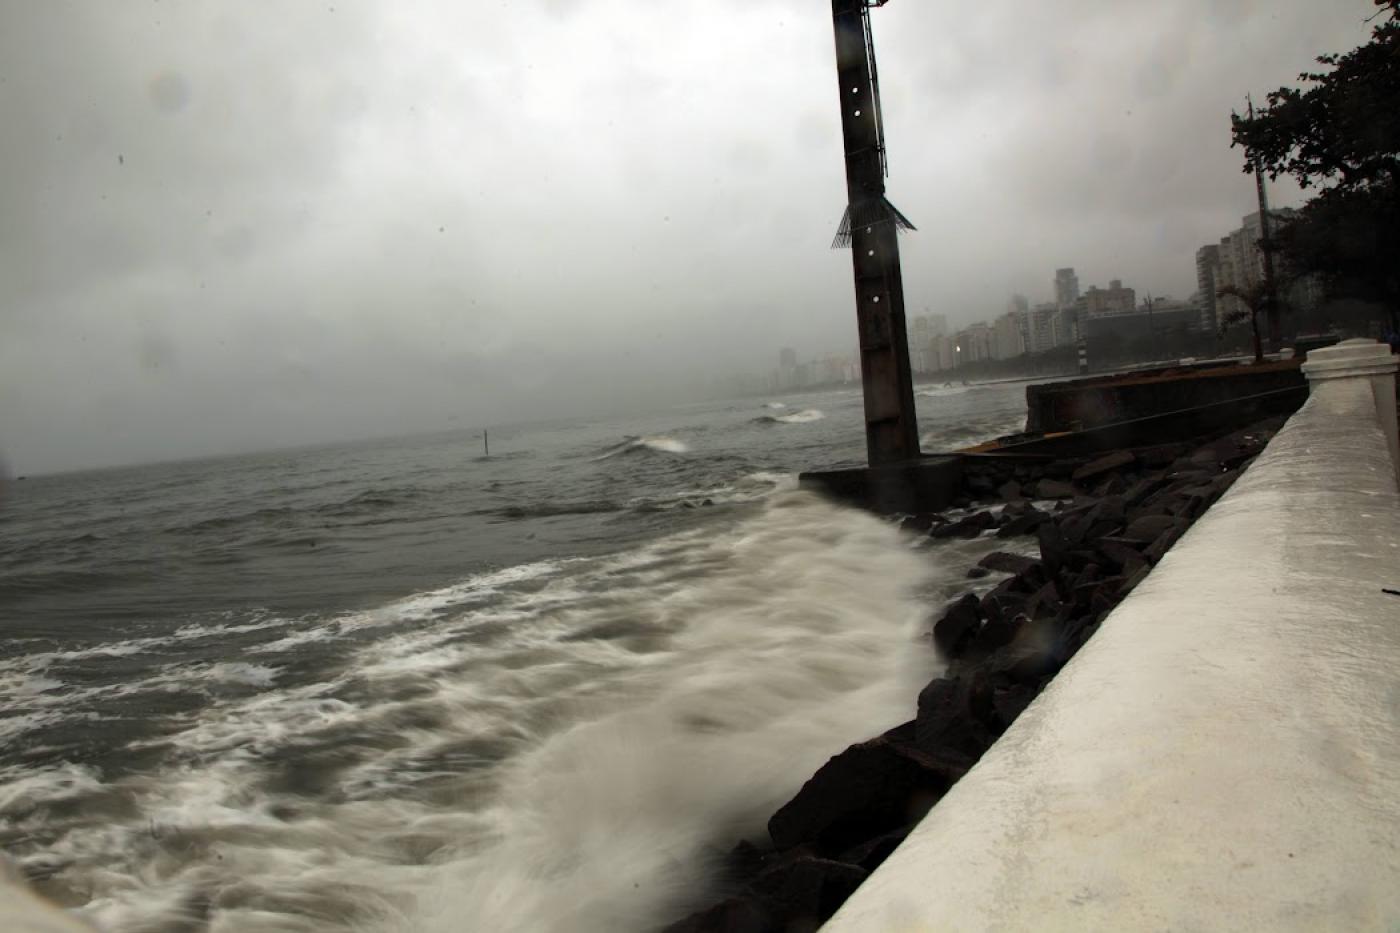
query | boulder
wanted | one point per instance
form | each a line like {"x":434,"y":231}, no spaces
{"x":1054,"y":549}
{"x":920,"y":523}
{"x":1147,"y":528}
{"x":1055,"y":489}
{"x":952,"y":717}
{"x":960,"y":622}
{"x":872,"y":852}
{"x":1105,"y":464}
{"x":806,"y":891}
{"x":1010,"y":490}
{"x":998,"y":631}
{"x":1006,"y":562}
{"x":1114,"y":485}
{"x":869,"y":789}
{"x":1023,"y":524}
{"x":1010,"y":700}
{"x":977,"y":573}
{"x":969,"y":526}
{"x":1169,"y":536}
{"x":1160,"y":455}
{"x":1121,"y":553}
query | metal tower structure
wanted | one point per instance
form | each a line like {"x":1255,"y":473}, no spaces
{"x":870,"y":229}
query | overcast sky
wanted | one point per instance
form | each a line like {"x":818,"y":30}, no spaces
{"x":234,"y":225}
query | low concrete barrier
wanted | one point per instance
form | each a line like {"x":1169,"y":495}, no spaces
{"x":1225,"y":752}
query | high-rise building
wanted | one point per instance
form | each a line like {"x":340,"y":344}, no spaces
{"x":1207,"y":281}
{"x":1007,"y":342}
{"x":1066,"y":287}
{"x":923,"y":330}
{"x":787,"y":358}
{"x":1112,"y":300}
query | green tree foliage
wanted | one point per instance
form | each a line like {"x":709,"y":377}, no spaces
{"x":1340,"y":134}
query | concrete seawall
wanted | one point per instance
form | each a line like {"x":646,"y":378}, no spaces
{"x":1225,"y":752}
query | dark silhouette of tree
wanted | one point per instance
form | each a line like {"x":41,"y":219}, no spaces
{"x":1255,"y":298}
{"x":1340,"y":134}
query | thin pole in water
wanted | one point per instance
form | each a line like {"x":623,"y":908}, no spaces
{"x":486,"y":440}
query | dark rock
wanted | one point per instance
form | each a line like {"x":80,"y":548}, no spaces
{"x":969,"y":526}
{"x":961,"y":502}
{"x":1161,"y":455}
{"x":1109,"y":509}
{"x":1061,"y":469}
{"x":1122,"y":554}
{"x":1010,"y":490}
{"x":952,"y":716}
{"x":1006,"y":601}
{"x":1114,"y":485}
{"x":1054,"y":549}
{"x":1105,"y":464}
{"x":868,"y":789}
{"x":979,"y":483}
{"x":1007,"y":563}
{"x":1055,"y":489}
{"x":1037,"y":652}
{"x":1015,"y":508}
{"x":1140,"y":491}
{"x":1044,"y":602}
{"x":1010,"y":700}
{"x":959,"y":623}
{"x":1023,"y":524}
{"x":921,"y":523}
{"x":736,"y":915}
{"x":1131,"y":580}
{"x":871,"y":853}
{"x":806,"y":891}
{"x":1147,"y":528}
{"x":744,"y":860}
{"x":1073,"y":528}
{"x":998,"y":631}
{"x":1169,"y":536}
{"x":977,"y":573}
{"x":1223,"y":482}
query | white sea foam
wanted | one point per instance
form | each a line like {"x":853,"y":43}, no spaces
{"x":806,"y":416}
{"x":557,"y":757}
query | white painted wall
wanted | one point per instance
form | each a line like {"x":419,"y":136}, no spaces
{"x":1224,"y":754}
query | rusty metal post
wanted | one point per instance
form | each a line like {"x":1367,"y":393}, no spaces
{"x":891,"y":424}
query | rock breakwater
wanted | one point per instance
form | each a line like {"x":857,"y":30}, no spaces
{"x":1099,"y":526}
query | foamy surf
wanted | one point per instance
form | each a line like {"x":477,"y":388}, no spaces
{"x":549,"y":747}
{"x":806,"y":416}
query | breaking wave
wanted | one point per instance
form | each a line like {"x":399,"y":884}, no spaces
{"x":553,"y":746}
{"x":806,"y":416}
{"x":635,"y":445}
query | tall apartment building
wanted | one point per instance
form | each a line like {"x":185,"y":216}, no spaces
{"x":1112,"y":300}
{"x":924,"y":329}
{"x":1007,"y":341}
{"x":1066,"y":287}
{"x":1207,"y":282}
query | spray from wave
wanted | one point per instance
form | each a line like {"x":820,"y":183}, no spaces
{"x":549,"y":747}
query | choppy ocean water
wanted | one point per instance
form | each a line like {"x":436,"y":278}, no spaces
{"x":396,"y":685}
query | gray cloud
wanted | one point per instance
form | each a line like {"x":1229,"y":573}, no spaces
{"x":234,"y":226}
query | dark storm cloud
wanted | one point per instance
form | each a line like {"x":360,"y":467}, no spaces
{"x":229,"y":226}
